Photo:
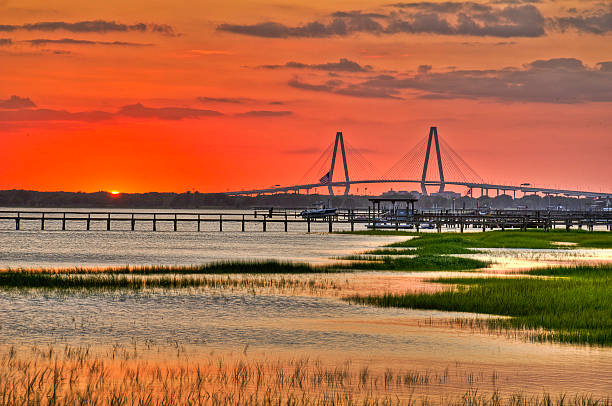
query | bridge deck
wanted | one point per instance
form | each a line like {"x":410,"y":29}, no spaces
{"x":469,"y":185}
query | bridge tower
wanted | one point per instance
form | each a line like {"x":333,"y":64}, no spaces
{"x":339,"y":140}
{"x":433,"y":134}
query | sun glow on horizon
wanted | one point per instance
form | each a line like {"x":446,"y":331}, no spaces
{"x":115,"y":192}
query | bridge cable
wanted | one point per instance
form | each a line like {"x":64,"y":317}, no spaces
{"x":320,"y":161}
{"x":408,"y":161}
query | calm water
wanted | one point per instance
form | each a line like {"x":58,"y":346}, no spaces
{"x":31,"y":247}
{"x":205,"y":321}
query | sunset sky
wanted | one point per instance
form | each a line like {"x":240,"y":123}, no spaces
{"x":213,"y":95}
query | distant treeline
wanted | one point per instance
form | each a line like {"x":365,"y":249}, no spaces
{"x":154,"y":200}
{"x":196,"y":200}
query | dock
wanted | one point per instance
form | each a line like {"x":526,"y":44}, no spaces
{"x":291,"y":220}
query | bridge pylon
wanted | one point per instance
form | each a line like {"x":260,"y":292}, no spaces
{"x":339,"y":140}
{"x":433,"y":134}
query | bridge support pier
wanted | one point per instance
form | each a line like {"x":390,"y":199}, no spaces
{"x":339,"y":140}
{"x":433,"y":134}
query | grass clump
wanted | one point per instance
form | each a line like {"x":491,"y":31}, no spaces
{"x":535,"y":239}
{"x":215,"y":268}
{"x":575,"y":307}
{"x":443,"y":248}
{"x":100,"y":282}
{"x":417,"y":263}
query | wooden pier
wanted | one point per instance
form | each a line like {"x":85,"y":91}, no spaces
{"x":289,"y":219}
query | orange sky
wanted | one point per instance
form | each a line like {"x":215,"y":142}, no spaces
{"x":143,"y":96}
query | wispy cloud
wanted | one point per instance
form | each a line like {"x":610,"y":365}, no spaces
{"x":346,"y":89}
{"x":92,"y":26}
{"x":165,"y":113}
{"x":53,"y":115}
{"x":72,"y":41}
{"x":265,"y":113}
{"x":22,"y":109}
{"x":343,"y":65}
{"x":230,"y":100}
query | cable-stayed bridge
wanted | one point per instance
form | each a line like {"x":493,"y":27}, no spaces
{"x":432,"y":162}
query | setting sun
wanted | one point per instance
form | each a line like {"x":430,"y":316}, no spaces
{"x":114,"y":192}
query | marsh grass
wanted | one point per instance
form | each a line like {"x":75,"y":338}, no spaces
{"x":439,"y":248}
{"x":222,"y":267}
{"x":75,"y":376}
{"x":103,"y":281}
{"x":534,"y":239}
{"x":574,"y":306}
{"x":181,"y":277}
{"x":416,"y":263}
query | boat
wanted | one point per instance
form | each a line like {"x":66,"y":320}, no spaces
{"x":318,"y":213}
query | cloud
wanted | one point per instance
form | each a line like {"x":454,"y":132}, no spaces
{"x":514,"y":1}
{"x":265,"y":113}
{"x":472,"y":19}
{"x":16,"y":102}
{"x":303,"y":151}
{"x":95,"y":26}
{"x":447,"y":18}
{"x":559,"y":80}
{"x":71,"y":41}
{"x":605,"y":66}
{"x":20,"y":110}
{"x":277,"y":30}
{"x":444,"y":7}
{"x":165,"y":113}
{"x":558,"y":63}
{"x":229,"y":100}
{"x":296,"y":83}
{"x":5,"y":41}
{"x":52,"y":115}
{"x":353,"y":90}
{"x":593,"y":22}
{"x":343,"y":65}
{"x":424,"y":69}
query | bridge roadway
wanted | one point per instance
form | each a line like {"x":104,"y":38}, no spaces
{"x":472,"y":186}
